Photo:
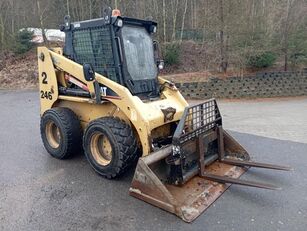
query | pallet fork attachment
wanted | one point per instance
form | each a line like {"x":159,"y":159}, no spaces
{"x":186,"y":177}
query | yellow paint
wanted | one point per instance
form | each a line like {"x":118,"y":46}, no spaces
{"x":143,"y":116}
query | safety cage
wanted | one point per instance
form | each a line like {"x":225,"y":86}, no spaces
{"x":199,"y":120}
{"x":99,"y":42}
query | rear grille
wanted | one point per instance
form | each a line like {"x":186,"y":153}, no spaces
{"x":196,"y":120}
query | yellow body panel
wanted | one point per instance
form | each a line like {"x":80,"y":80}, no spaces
{"x":88,"y":111}
{"x":143,"y":116}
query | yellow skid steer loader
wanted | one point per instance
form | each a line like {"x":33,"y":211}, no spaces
{"x":101,"y":93}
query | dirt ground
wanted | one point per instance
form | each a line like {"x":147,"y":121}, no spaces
{"x":18,"y":71}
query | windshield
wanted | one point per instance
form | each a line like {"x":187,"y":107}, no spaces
{"x":139,"y":53}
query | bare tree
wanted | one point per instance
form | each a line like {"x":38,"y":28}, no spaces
{"x":175,"y":12}
{"x":224,"y":61}
{"x":183,"y":19}
{"x":232,"y":30}
{"x":164,"y":20}
{"x":294,"y":12}
{"x":41,"y":14}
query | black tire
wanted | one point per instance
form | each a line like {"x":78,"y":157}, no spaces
{"x":121,"y":140}
{"x":69,"y":129}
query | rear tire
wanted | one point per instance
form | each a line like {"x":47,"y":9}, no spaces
{"x":110,"y":146}
{"x":61,"y":132}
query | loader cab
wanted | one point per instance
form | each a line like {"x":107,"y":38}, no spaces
{"x":119,"y":48}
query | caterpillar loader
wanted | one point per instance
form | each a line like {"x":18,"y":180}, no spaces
{"x":101,"y":94}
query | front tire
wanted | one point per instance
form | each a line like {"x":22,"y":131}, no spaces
{"x":110,"y":146}
{"x":61,"y":132}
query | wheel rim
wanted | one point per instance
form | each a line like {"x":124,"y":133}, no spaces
{"x":53,"y":134}
{"x":101,"y":149}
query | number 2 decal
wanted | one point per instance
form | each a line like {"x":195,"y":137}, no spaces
{"x":46,"y":94}
{"x":44,"y":76}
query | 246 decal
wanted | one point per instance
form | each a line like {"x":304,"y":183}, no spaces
{"x":46,"y":95}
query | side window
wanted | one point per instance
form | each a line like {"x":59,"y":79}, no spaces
{"x":94,"y":46}
{"x":83,"y":47}
{"x":102,"y":47}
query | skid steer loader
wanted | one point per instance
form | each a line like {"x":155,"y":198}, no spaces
{"x":101,"y":93}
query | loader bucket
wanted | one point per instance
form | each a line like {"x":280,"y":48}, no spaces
{"x":186,"y":177}
{"x":188,"y":200}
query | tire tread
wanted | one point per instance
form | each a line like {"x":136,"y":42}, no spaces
{"x":126,"y":140}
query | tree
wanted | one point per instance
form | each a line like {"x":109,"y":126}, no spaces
{"x":183,"y":19}
{"x":294,"y":13}
{"x":232,"y":30}
{"x":41,"y":14}
{"x":224,"y":61}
